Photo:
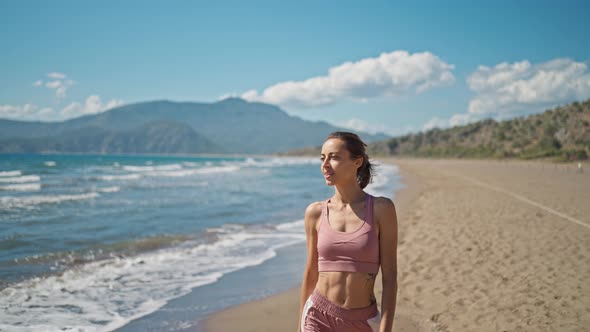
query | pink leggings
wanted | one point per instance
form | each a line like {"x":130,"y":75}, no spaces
{"x":321,"y":315}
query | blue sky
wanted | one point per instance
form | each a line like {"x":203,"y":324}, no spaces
{"x":377,"y":66}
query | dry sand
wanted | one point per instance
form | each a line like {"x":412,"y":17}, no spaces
{"x":483,"y":246}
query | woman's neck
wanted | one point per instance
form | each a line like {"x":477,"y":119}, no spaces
{"x":349,"y":194}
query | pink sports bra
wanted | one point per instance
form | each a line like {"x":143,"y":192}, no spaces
{"x":356,"y":251}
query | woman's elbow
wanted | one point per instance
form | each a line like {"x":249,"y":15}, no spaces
{"x":389,"y":279}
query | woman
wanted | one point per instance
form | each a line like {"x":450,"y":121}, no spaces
{"x":348,"y":237}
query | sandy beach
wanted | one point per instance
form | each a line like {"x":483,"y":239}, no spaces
{"x":483,"y":246}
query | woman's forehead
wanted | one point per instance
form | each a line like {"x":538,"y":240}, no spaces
{"x":334,"y":145}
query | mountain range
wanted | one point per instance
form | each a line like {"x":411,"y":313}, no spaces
{"x":231,"y":125}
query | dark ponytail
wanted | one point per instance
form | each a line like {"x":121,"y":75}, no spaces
{"x":356,"y":147}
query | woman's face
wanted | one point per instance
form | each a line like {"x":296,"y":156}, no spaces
{"x":337,"y":166}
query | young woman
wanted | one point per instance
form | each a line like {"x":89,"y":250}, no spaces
{"x":349,"y":236}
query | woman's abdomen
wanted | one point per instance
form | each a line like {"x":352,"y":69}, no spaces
{"x":347,"y":289}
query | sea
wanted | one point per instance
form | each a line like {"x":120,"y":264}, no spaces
{"x":111,"y":242}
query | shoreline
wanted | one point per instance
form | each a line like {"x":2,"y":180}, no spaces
{"x":483,"y":245}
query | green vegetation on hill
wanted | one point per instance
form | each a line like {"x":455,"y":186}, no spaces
{"x":562,"y":134}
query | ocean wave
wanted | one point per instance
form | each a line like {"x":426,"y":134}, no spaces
{"x":169,"y":167}
{"x":277,"y":161}
{"x":13,"y":202}
{"x":67,"y":259}
{"x":10,"y":173}
{"x":49,"y":163}
{"x":188,"y":168}
{"x":174,"y":170}
{"x":105,"y":295}
{"x":120,"y":177}
{"x":22,"y":187}
{"x":20,"y":179}
{"x":191,"y":164}
{"x":294,"y":226}
{"x":194,"y":171}
{"x":175,"y":184}
{"x":109,"y":189}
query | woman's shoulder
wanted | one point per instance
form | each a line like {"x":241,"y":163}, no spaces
{"x":382,"y":200}
{"x":383,"y":205}
{"x":314,"y":209}
{"x":313,"y":213}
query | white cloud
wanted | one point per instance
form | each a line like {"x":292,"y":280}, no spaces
{"x":92,"y":105}
{"x":30,"y":112}
{"x":508,"y":90}
{"x":357,"y":125}
{"x":389,"y":74}
{"x":59,"y":83}
{"x":228,"y":95}
{"x":435,"y":122}
{"x":56,"y":75}
{"x":18,"y":112}
{"x":53,"y":84}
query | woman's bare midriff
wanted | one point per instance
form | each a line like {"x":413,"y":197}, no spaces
{"x":347,"y":289}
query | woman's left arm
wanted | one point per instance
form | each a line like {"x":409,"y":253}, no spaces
{"x":388,"y":251}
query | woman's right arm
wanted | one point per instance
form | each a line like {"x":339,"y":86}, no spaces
{"x":310,"y":276}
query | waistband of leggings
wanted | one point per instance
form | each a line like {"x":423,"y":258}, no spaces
{"x":322,"y":303}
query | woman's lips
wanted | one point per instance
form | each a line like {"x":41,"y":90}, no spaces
{"x":328,"y":175}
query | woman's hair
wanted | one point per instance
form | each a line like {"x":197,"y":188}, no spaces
{"x":356,"y":148}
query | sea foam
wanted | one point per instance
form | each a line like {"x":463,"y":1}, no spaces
{"x":105,"y":295}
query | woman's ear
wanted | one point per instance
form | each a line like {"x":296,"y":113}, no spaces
{"x":359,"y":162}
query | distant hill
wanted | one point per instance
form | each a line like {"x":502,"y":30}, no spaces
{"x":228,"y":126}
{"x":152,"y":137}
{"x":562,"y":133}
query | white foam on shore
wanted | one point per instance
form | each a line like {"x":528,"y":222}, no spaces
{"x":384,"y":179}
{"x":107,"y":294}
{"x":10,"y":173}
{"x":20,"y":179}
{"x":294,"y":226}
